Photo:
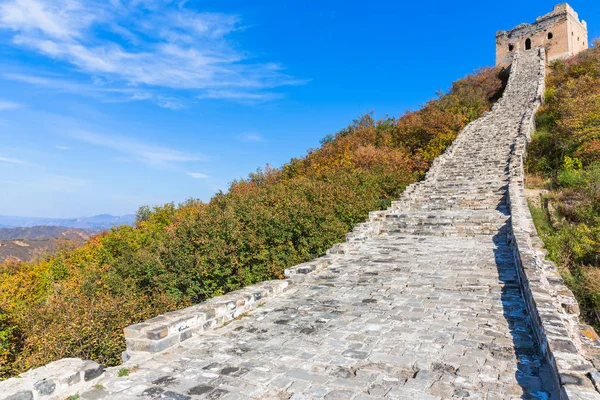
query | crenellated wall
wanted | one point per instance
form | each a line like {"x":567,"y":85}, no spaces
{"x":560,"y":33}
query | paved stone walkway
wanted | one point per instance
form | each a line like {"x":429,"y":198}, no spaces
{"x":429,"y":309}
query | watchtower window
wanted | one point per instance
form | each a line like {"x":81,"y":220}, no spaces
{"x":550,"y":35}
{"x":528,"y":44}
{"x":511,"y":47}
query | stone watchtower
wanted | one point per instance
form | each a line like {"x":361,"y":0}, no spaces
{"x":560,"y":32}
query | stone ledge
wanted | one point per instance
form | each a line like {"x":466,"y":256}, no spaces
{"x":311,"y":266}
{"x":167,"y":330}
{"x":57,"y":380}
{"x":164,"y":331}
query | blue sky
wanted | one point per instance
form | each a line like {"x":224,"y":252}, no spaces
{"x":106,"y":105}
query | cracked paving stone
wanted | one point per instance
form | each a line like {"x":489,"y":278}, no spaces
{"x":200,"y":389}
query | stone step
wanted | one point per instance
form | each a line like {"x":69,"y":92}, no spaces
{"x":448,"y":223}
{"x":474,"y":206}
{"x":453,"y":231}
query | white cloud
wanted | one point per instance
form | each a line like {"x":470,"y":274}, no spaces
{"x":240,"y":96}
{"x":11,"y":160}
{"x":58,"y":19}
{"x":170,"y":102}
{"x":197,"y":175}
{"x":62,"y":147}
{"x":146,"y":153}
{"x":8,"y":105}
{"x":252,"y":137}
{"x":64,"y":85}
{"x":161,"y":44}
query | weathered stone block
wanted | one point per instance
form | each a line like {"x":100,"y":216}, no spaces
{"x":151,"y":346}
{"x":157,"y":333}
{"x":45,"y":387}
{"x":23,"y":395}
{"x":92,"y":370}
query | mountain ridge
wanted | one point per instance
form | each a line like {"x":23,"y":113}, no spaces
{"x":43,"y":232}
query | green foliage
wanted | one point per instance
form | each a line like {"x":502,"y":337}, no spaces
{"x":10,"y":343}
{"x":572,"y":164}
{"x":569,"y":178}
{"x":541,"y":220}
{"x":76,"y":303}
{"x":566,"y":149}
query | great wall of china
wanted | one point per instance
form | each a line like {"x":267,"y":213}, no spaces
{"x":447,"y":294}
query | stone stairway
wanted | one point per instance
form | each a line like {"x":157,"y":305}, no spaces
{"x":464,"y":194}
{"x":423,"y":301}
{"x":427,"y":305}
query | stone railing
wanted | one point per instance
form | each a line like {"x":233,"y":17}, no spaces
{"x":57,"y":380}
{"x":552,"y":306}
{"x":167,"y":330}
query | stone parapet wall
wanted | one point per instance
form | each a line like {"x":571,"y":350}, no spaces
{"x":168,"y":330}
{"x":57,"y":380}
{"x":553,"y":308}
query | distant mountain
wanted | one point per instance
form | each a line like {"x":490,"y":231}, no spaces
{"x":26,"y":244}
{"x":95,"y":224}
{"x":30,"y":249}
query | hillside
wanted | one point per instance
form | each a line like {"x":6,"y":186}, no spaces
{"x":26,"y":244}
{"x":76,"y":303}
{"x":43,"y":232}
{"x":564,"y":169}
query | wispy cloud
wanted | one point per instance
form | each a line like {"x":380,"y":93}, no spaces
{"x":240,"y":96}
{"x":169,"y":102}
{"x":9,"y":105}
{"x":197,"y":175}
{"x":9,"y":160}
{"x":72,"y":86}
{"x":251,"y":137}
{"x":97,"y":89}
{"x":144,"y":44}
{"x":62,"y":147}
{"x":142,"y":152}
